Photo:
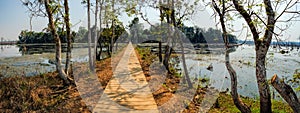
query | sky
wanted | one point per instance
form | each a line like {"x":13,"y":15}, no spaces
{"x":14,"y":18}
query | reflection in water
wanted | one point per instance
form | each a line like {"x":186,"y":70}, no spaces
{"x":9,"y":51}
{"x":39,"y":49}
{"x":29,"y":60}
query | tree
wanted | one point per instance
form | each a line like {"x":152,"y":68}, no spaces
{"x":221,"y":9}
{"x":99,"y":41}
{"x":2,"y":39}
{"x":96,"y":33}
{"x":177,"y":23}
{"x":49,"y":10}
{"x":136,"y":31}
{"x":69,"y":38}
{"x":89,"y":36}
{"x":80,"y":35}
{"x":172,"y":12}
{"x":113,"y":27}
{"x":35,"y":9}
{"x":265,"y":19}
{"x":109,"y":17}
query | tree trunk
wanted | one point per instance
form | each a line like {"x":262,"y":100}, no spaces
{"x":108,"y":50}
{"x":286,"y":92}
{"x":96,"y":33}
{"x":160,"y":40}
{"x":167,"y":56}
{"x":30,"y":22}
{"x":116,"y":46}
{"x":69,"y":39}
{"x":186,"y":73}
{"x":100,"y":27}
{"x":263,"y":87}
{"x":234,"y":94}
{"x":59,"y":69}
{"x":100,"y":51}
{"x":168,"y":49}
{"x":159,"y":51}
{"x":261,"y":49}
{"x":89,"y":37}
{"x":113,"y":28}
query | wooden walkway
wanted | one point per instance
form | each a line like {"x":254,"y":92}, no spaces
{"x":127,"y":91}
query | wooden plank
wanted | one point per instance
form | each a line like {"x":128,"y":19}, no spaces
{"x":127,"y":91}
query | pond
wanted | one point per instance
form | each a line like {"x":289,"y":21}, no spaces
{"x":37,"y":59}
{"x":14,"y":62}
{"x":243,"y":61}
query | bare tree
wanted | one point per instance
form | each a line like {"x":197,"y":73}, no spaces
{"x":30,"y":21}
{"x":221,"y":9}
{"x":113,"y":27}
{"x":268,"y":14}
{"x":35,"y":9}
{"x":96,"y":33}
{"x":99,"y":41}
{"x":69,"y":37}
{"x":89,"y":35}
{"x":52,"y":27}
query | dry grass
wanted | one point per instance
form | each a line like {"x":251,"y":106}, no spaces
{"x":47,"y":93}
{"x":44,"y":93}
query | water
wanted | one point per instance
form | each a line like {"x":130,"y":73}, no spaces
{"x":14,"y":62}
{"x":9,"y":51}
{"x":36,"y":60}
{"x":243,"y":61}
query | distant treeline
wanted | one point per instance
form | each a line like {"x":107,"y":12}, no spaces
{"x":194,"y":34}
{"x":31,"y":37}
{"x":211,"y":36}
{"x":280,"y":43}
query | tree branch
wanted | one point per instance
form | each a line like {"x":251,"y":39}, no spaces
{"x":247,"y":18}
{"x":286,"y":92}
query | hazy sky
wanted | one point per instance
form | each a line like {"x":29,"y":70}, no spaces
{"x":14,"y":18}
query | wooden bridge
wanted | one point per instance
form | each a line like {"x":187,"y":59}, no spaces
{"x":127,"y":91}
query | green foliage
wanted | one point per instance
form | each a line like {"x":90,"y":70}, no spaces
{"x":194,"y":34}
{"x":30,"y":37}
{"x":295,"y":81}
{"x":82,"y":32}
{"x":119,"y":31}
{"x":136,"y":31}
{"x":198,"y":35}
{"x":146,"y":55}
{"x":105,"y":35}
{"x":227,"y":105}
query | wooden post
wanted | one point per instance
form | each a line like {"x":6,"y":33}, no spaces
{"x":286,"y":92}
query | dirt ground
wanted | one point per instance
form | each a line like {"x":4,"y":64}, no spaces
{"x":47,"y":93}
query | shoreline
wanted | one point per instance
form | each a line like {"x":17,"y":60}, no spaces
{"x":46,"y":93}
